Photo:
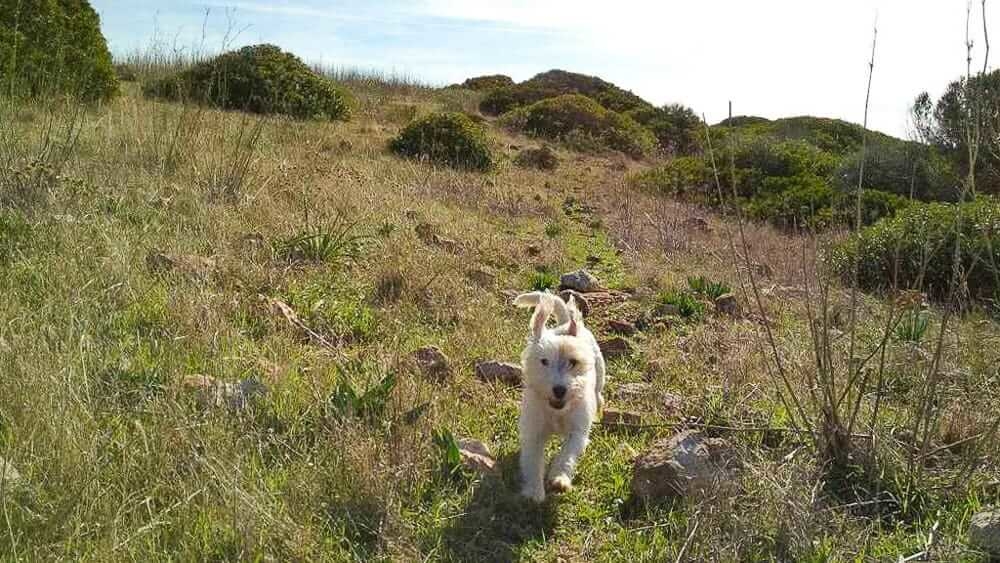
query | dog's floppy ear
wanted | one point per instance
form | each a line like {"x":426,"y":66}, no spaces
{"x":541,"y":316}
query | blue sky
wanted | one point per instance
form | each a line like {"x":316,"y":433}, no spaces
{"x":775,"y":58}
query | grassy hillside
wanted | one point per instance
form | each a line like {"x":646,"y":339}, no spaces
{"x":149,"y":242}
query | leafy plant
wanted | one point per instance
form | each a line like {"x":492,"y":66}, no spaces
{"x":336,"y":244}
{"x":346,"y":402}
{"x":913,"y":326}
{"x":710,"y":289}
{"x":687,"y":304}
{"x":259,"y":79}
{"x":452,"y":139}
{"x":543,"y":279}
{"x":447,"y":445}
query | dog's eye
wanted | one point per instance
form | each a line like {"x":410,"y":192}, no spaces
{"x":573,"y":362}
{"x":545,"y":361}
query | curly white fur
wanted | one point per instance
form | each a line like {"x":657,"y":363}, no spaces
{"x":565,"y":361}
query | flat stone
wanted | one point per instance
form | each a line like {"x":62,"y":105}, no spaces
{"x":614,"y":348}
{"x":622,"y":327}
{"x":432,"y":362}
{"x":491,"y":371}
{"x":727,"y":304}
{"x":618,"y":417}
{"x":580,"y":280}
{"x":212,"y":392}
{"x":476,"y":456}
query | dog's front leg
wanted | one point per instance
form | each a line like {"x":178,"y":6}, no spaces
{"x":564,"y":464}
{"x":533,"y":462}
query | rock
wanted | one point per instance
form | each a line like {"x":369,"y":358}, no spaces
{"x":476,"y":456}
{"x":212,"y":392}
{"x":448,"y":244}
{"x":727,"y":304}
{"x":697,"y":224}
{"x":582,"y":303}
{"x":580,"y":280}
{"x":673,"y":405}
{"x":614,"y":348}
{"x":984,"y":532}
{"x":482,"y":277}
{"x":618,"y":417}
{"x":411,"y":215}
{"x":9,"y":475}
{"x":491,"y":371}
{"x":534,"y":250}
{"x":593,"y":260}
{"x":432,"y":362}
{"x":632,"y":392}
{"x":686,"y":464}
{"x":622,"y":327}
{"x":425,"y":232}
{"x":189,"y":265}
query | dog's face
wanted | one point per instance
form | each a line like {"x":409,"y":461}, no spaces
{"x":555,"y":365}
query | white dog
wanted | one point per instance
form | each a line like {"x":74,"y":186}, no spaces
{"x":563,"y":385}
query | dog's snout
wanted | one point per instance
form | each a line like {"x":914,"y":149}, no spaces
{"x":559,"y":391}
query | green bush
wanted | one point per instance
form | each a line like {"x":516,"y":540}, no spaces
{"x":687,"y":303}
{"x":689,"y":177}
{"x":259,"y":79}
{"x":446,"y":138}
{"x":488,"y":82}
{"x":918,"y":244}
{"x":556,"y":83}
{"x":542,"y":158}
{"x":803,"y":201}
{"x":677,"y":128}
{"x":503,"y":100}
{"x":574,"y":115}
{"x":902,"y":168}
{"x":875,"y":206}
{"x":54,"y":47}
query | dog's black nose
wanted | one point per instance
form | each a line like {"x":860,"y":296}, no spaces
{"x":559,"y":391}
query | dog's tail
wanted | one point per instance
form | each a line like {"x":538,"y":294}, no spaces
{"x":564,"y":312}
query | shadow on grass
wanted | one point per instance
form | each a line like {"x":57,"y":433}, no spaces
{"x":498,"y":522}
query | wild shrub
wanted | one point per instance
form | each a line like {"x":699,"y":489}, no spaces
{"x":677,"y":128}
{"x":687,"y":303}
{"x":573,"y":114}
{"x":913,"y":326}
{"x":689,"y":177}
{"x":368,"y":405}
{"x":488,"y":82}
{"x":915,"y":249}
{"x":541,"y":158}
{"x":338,"y":243}
{"x":556,"y":83}
{"x":259,"y":79}
{"x":903,"y":169}
{"x":800,"y":201}
{"x":451,"y":139}
{"x":875,"y":206}
{"x":708,"y":288}
{"x":542,"y":279}
{"x":54,"y":48}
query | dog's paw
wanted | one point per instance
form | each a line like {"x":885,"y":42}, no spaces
{"x":534,"y":494}
{"x":561,"y":484}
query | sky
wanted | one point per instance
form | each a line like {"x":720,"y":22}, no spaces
{"x":773,"y":58}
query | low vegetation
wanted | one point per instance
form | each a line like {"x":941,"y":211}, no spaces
{"x":452,"y":139}
{"x":487,"y":83}
{"x":583,"y":123}
{"x":259,"y":79}
{"x":915,"y":249}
